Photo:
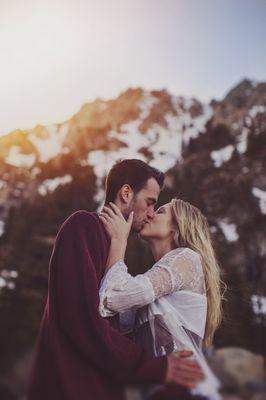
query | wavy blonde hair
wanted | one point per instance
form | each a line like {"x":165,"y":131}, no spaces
{"x":192,"y":230}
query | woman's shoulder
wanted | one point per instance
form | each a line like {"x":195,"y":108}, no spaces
{"x":179,"y":254}
{"x":184,"y":251}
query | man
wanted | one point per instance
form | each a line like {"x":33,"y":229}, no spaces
{"x":80,"y":355}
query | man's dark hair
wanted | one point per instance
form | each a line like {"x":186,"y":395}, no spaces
{"x":133,"y":172}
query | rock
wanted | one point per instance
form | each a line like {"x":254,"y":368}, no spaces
{"x":237,"y":367}
{"x":260,"y":396}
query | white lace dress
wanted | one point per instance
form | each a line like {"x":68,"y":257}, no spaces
{"x":167,"y":306}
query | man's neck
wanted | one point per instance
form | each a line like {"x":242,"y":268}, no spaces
{"x":121,"y":208}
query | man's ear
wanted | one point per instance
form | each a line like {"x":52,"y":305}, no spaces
{"x":126,"y":194}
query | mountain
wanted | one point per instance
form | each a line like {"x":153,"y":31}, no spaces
{"x":152,"y":126}
{"x":214,"y":155}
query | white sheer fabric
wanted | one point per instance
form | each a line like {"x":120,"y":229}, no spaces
{"x":166,"y":306}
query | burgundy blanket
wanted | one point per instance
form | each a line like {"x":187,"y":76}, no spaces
{"x":79,"y":355}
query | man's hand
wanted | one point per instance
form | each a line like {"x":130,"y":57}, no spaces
{"x":183,"y":371}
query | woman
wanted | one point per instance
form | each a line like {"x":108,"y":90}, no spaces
{"x":178,"y":299}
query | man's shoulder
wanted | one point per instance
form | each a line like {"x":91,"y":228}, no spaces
{"x":82,"y":215}
{"x":82,"y":218}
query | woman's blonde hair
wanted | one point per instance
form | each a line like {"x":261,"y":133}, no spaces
{"x":193,"y":232}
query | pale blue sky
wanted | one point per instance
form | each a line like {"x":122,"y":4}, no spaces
{"x":58,"y":54}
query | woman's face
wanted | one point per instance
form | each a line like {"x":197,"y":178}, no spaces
{"x":160,"y":226}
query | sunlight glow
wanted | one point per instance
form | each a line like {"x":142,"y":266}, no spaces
{"x":58,"y":54}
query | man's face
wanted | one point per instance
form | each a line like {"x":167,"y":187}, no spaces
{"x":143,"y":204}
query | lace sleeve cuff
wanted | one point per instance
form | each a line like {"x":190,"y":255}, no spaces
{"x":109,"y":280}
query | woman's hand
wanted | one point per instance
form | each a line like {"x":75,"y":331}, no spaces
{"x":118,"y":229}
{"x":114,"y":222}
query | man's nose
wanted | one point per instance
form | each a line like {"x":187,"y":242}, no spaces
{"x":150,"y":213}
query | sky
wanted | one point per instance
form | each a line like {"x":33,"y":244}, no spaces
{"x":58,"y":54}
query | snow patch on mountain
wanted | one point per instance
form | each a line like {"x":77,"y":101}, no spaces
{"x":242,"y":141}
{"x":257,"y":109}
{"x":6,"y":279}
{"x":146,"y":105}
{"x":258,"y":304}
{"x":52,"y":144}
{"x":229,"y":230}
{"x":130,"y":133}
{"x":34,"y":172}
{"x":49,"y":185}
{"x":2,"y":228}
{"x":2,"y":282}
{"x":245,"y":126}
{"x":222,"y":155}
{"x":163,"y":143}
{"x":18,"y":159}
{"x":261,"y":195}
{"x":194,"y":128}
{"x":9,"y":273}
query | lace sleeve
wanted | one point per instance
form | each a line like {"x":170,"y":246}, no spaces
{"x":180,"y":269}
{"x":177,"y":270}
